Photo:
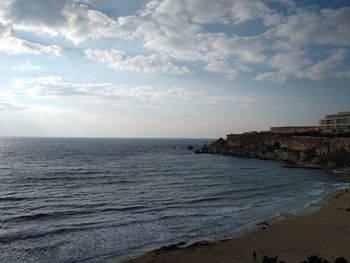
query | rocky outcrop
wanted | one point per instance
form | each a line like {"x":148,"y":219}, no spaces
{"x":305,"y":151}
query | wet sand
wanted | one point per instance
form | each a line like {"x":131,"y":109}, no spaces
{"x":325,"y":232}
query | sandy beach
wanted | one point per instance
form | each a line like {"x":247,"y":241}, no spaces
{"x":325,"y":232}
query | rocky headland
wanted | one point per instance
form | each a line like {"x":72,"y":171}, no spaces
{"x":291,"y":149}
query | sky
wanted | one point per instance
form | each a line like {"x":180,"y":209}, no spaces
{"x":170,"y":68}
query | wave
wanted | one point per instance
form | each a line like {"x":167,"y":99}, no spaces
{"x":201,"y":200}
{"x":64,"y":213}
{"x":13,"y":198}
{"x":41,"y":216}
{"x":30,"y":234}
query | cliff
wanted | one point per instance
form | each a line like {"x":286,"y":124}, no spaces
{"x":303,"y":151}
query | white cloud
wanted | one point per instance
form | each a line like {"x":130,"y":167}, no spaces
{"x":248,"y":10}
{"x":13,"y":45}
{"x":164,"y":27}
{"x":53,"y":87}
{"x":273,"y":77}
{"x":230,"y":70}
{"x":238,"y":11}
{"x":153,"y":64}
{"x":247,"y":49}
{"x":284,"y":40}
{"x":326,"y":27}
{"x":158,"y":27}
{"x":175,"y":31}
{"x":27,"y":66}
{"x":297,"y":64}
{"x":71,"y":19}
{"x":245,"y":100}
{"x":322,"y":69}
{"x":290,"y":64}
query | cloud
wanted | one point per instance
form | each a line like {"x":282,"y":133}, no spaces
{"x":245,"y":100}
{"x":271,"y":77}
{"x":27,"y":66}
{"x":325,"y":27}
{"x":298,"y":65}
{"x":281,"y":46}
{"x":13,"y":45}
{"x":246,"y":49}
{"x":176,"y":31}
{"x":290,"y":64}
{"x":341,"y":74}
{"x":322,"y":69}
{"x":226,"y":11}
{"x":164,"y":27}
{"x":228,"y":69}
{"x":71,"y":19}
{"x":153,"y":64}
{"x":158,"y":27}
{"x":53,"y":87}
{"x":9,"y":106}
{"x":34,"y":12}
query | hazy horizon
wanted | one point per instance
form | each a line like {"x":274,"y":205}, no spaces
{"x":111,"y":137}
{"x":170,"y":68}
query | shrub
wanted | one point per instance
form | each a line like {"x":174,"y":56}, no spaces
{"x":315,"y":259}
{"x":341,"y":260}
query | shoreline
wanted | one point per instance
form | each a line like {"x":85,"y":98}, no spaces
{"x":292,"y":237}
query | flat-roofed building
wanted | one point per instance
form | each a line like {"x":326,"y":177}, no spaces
{"x":336,"y":123}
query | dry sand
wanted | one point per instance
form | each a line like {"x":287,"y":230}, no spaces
{"x":325,"y":232}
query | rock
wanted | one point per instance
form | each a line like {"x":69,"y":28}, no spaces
{"x":197,"y":151}
{"x":294,"y":151}
{"x":331,"y":165}
{"x":190,"y":147}
{"x":204,"y":148}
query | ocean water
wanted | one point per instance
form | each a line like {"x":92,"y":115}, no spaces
{"x":88,"y":200}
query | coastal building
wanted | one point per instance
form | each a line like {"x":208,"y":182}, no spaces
{"x":336,"y":123}
{"x":294,"y":129}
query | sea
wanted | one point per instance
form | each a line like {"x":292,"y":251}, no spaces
{"x":105,"y":199}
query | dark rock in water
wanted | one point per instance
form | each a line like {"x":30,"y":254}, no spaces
{"x":204,"y":148}
{"x":190,"y":147}
{"x":197,"y":151}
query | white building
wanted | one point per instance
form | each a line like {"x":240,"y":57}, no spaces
{"x":336,"y":123}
